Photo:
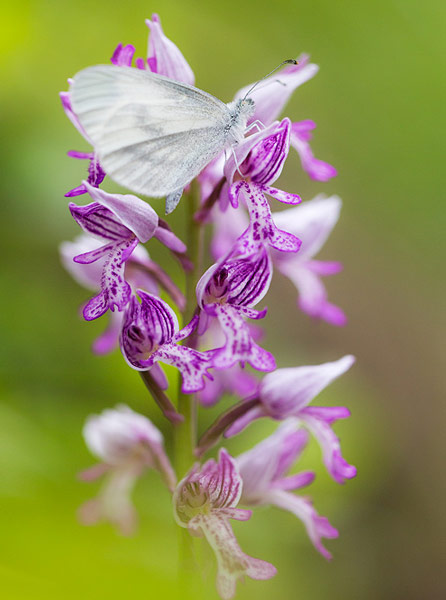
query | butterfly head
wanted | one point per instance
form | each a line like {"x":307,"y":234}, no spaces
{"x":246,"y":107}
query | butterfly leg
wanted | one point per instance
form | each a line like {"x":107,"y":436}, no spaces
{"x":255,"y":124}
{"x":237,"y":166}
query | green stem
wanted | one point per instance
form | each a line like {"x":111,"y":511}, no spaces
{"x":186,"y":432}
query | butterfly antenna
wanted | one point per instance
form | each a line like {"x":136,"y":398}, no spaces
{"x":290,"y":61}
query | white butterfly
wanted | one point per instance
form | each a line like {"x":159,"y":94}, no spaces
{"x":153,"y":135}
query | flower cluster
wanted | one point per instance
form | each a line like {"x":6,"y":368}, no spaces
{"x":218,"y":338}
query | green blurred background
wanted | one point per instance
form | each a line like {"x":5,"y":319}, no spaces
{"x":377,"y":102}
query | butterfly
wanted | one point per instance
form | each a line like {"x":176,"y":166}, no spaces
{"x":152,"y":134}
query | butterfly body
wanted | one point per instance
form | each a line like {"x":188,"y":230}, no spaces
{"x":153,"y":134}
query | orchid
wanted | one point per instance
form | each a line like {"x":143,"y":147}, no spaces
{"x":261,"y":158}
{"x":228,"y":291}
{"x":122,"y":222}
{"x":150,"y":333}
{"x":288,"y":392}
{"x":204,"y":501}
{"x":300,"y":136}
{"x":164,"y":57}
{"x":262,"y":470}
{"x":140,"y":272}
{"x":205,"y":330}
{"x":126,"y":443}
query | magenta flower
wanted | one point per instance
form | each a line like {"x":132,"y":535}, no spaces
{"x":228,"y":290}
{"x":140,"y":272}
{"x":261,"y":157}
{"x":204,"y":501}
{"x":288,"y":392}
{"x":163,"y":57}
{"x":127,"y":444}
{"x":263,"y":470}
{"x":313,"y":222}
{"x":270,"y":98}
{"x":150,"y":333}
{"x":122,"y":221}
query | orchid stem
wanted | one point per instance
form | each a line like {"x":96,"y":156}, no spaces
{"x":186,"y":432}
{"x":212,"y":435}
{"x":166,"y":406}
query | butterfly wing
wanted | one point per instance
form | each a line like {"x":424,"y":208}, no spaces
{"x":152,"y":134}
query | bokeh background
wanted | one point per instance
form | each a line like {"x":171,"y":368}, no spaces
{"x":377,"y":102}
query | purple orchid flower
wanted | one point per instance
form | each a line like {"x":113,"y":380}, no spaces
{"x":313,"y":222}
{"x":127,"y":444}
{"x":204,"y":501}
{"x":140,"y":272}
{"x":270,"y":97}
{"x":263,"y":470}
{"x":150,"y":333}
{"x":259,"y":160}
{"x":261,"y":157}
{"x":163,"y":56}
{"x":122,"y":221}
{"x":228,"y":291}
{"x":288,"y":392}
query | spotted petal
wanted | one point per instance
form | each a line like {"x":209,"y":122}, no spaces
{"x":115,"y":291}
{"x":239,"y":344}
{"x":262,"y":229}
